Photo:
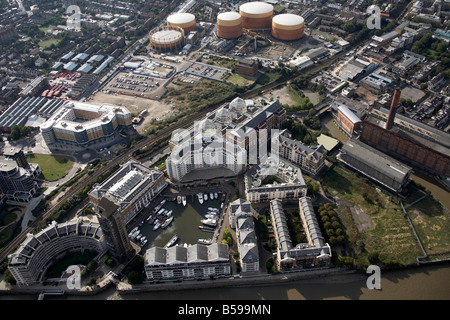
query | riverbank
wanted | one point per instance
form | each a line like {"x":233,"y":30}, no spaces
{"x":431,"y":279}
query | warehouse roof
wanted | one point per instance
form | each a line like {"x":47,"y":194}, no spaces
{"x":374,"y":163}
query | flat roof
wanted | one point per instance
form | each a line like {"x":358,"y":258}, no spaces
{"x":256,"y":7}
{"x":327,"y":142}
{"x":288,"y":19}
{"x":376,"y":160}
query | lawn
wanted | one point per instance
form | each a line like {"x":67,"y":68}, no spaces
{"x":238,"y":80}
{"x":45,"y":44}
{"x":390,"y":234}
{"x":268,"y":77}
{"x":53,"y":167}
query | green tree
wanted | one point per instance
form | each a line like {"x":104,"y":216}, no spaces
{"x":374,"y":257}
{"x":135,"y":277}
{"x":9,"y":277}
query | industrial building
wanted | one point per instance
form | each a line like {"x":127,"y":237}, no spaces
{"x":246,"y":67}
{"x":314,"y":253}
{"x":408,"y":140}
{"x":23,"y":109}
{"x":376,"y":83}
{"x":301,"y":62}
{"x":31,"y":260}
{"x":187,"y":263}
{"x":288,"y":26}
{"x":346,"y":120}
{"x":183,"y":20}
{"x":256,"y":15}
{"x":356,"y":67}
{"x":34,"y":87}
{"x":167,"y":38}
{"x":83,"y":124}
{"x":372,"y":163}
{"x":229,"y":25}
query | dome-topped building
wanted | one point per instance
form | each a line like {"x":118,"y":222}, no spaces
{"x":238,"y":105}
{"x":224,"y":116}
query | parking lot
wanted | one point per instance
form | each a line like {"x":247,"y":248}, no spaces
{"x":131,"y":84}
{"x":207,"y":71}
{"x":327,"y":79}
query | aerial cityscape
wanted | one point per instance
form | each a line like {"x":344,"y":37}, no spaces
{"x":174,"y":149}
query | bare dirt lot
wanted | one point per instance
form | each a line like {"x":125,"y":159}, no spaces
{"x":156,"y":109}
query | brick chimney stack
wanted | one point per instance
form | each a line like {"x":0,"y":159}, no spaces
{"x":393,"y":111}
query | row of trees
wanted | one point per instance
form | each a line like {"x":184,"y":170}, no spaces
{"x":331,"y":224}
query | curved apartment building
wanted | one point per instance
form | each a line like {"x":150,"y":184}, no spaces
{"x":83,"y":124}
{"x":198,"y":154}
{"x":29,"y":263}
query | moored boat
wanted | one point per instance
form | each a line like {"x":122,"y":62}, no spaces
{"x":172,"y":241}
{"x":200,"y":198}
{"x":223,"y":197}
{"x":216,"y":195}
{"x":205,"y":241}
{"x":167,"y":222}
{"x":211,"y":196}
{"x":209,"y":222}
{"x":179,"y":199}
{"x":206,"y":229}
{"x":183,"y":199}
{"x":205,"y":196}
{"x":157,"y":225}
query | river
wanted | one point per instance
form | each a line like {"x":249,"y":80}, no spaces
{"x":429,"y":282}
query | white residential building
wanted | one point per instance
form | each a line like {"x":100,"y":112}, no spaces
{"x":241,"y":219}
{"x":187,"y":262}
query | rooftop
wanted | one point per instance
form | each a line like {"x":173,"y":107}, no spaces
{"x":375,"y":159}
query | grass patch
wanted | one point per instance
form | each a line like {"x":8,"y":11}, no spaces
{"x":45,"y":44}
{"x":390,"y":235}
{"x":72,"y":258}
{"x":431,"y":221}
{"x":6,"y":234}
{"x":238,"y":80}
{"x":193,"y":98}
{"x":9,"y":218}
{"x":53,"y":167}
{"x":268,"y":77}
